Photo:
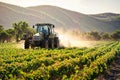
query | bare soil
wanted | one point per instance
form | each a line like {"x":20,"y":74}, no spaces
{"x":20,"y":44}
{"x":113,"y":73}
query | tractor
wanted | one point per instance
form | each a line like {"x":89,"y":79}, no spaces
{"x":45,"y":37}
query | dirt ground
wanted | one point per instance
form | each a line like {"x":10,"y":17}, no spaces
{"x":20,"y":44}
{"x":113,"y":73}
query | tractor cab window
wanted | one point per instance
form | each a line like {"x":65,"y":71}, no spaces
{"x":39,"y":29}
{"x":43,"y":29}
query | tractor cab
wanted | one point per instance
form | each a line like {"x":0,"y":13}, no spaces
{"x":46,"y":29}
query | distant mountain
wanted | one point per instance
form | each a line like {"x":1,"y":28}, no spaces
{"x":62,"y":18}
{"x":10,"y":14}
{"x":111,"y":18}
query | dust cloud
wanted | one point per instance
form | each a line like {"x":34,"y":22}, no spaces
{"x":68,"y":39}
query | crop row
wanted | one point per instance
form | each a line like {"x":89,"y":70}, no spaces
{"x":66,"y":67}
{"x":54,"y":64}
{"x":98,"y":66}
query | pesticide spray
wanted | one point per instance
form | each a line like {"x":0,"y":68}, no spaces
{"x":68,"y":39}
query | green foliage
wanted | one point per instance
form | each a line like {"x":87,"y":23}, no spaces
{"x":20,"y":28}
{"x":57,"y":64}
{"x":1,"y":28}
{"x":116,"y":35}
{"x":7,"y":35}
{"x":94,"y":35}
{"x":11,"y":32}
{"x":105,"y":36}
{"x":3,"y":36}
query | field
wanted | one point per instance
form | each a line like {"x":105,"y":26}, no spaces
{"x":56,"y":64}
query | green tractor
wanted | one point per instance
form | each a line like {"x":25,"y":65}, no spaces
{"x":45,"y":37}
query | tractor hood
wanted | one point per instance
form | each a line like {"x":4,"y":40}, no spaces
{"x":37,"y":34}
{"x":37,"y":37}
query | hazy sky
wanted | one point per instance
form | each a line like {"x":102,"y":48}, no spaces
{"x":83,"y":6}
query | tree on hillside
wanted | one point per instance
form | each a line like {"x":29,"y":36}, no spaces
{"x":87,"y":36}
{"x":1,"y":28}
{"x":116,"y":35}
{"x":11,"y":33}
{"x":95,"y":35}
{"x":20,"y":28}
{"x":6,"y":35}
{"x":105,"y":36}
{"x":30,"y":30}
{"x":3,"y":36}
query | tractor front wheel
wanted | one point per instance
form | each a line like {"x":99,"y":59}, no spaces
{"x":45,"y":44}
{"x":56,"y":40}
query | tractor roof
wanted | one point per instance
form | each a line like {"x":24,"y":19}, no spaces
{"x":44,"y":24}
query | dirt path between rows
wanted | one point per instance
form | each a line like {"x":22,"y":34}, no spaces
{"x":113,"y":73}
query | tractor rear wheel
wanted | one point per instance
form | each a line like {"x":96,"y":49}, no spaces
{"x":51,"y":43}
{"x":56,"y":44}
{"x":32,"y":46}
{"x":26,"y":45}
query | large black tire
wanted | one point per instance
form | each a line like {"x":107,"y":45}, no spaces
{"x":32,"y":46}
{"x":51,"y":43}
{"x":56,"y":42}
{"x":26,"y":45}
{"x":45,"y":44}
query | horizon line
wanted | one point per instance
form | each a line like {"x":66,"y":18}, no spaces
{"x":60,"y":7}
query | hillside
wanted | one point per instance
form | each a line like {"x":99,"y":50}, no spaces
{"x":111,"y":18}
{"x":73,"y":19}
{"x":62,"y":18}
{"x":10,"y":14}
